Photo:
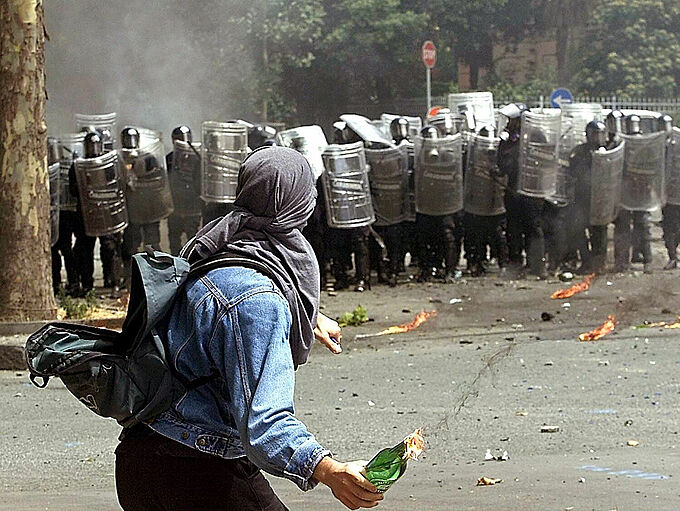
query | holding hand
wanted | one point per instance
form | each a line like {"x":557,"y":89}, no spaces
{"x":328,"y":333}
{"x":347,"y":483}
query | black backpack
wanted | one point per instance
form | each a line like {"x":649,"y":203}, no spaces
{"x":125,"y":375}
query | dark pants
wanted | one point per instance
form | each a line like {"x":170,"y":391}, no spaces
{"x":110,"y":252}
{"x":156,"y":473}
{"x":481,"y":231}
{"x":598,"y":244}
{"x":392,"y":236}
{"x":623,"y":236}
{"x":438,"y":239}
{"x":83,"y":253}
{"x":671,"y":229}
{"x":64,"y":248}
{"x":342,"y":243}
{"x":133,"y":236}
{"x":525,"y":230}
{"x":178,"y":225}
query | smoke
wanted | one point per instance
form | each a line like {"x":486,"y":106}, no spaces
{"x":157,"y":64}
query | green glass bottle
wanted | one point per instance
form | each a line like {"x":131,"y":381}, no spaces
{"x":390,"y":464}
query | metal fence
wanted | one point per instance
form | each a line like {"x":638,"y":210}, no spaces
{"x":418,"y":106}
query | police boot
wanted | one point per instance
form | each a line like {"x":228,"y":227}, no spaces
{"x":672,"y":264}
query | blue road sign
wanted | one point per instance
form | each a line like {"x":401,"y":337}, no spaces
{"x":560,"y":96}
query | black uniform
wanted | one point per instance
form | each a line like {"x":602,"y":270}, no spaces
{"x":180,"y":224}
{"x":64,"y":248}
{"x":83,"y":249}
{"x":524,"y":214}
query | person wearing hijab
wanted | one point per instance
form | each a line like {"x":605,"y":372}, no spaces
{"x":245,"y":332}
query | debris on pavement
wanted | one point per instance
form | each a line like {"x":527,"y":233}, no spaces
{"x":499,"y":457}
{"x":607,"y":327}
{"x":546,"y":316}
{"x":521,"y":413}
{"x":488,"y":481}
{"x":661,"y":324}
{"x":420,"y":318}
{"x":632,"y":443}
{"x":550,"y":429}
{"x":355,"y":318}
{"x":566,"y":276}
{"x":582,"y":286}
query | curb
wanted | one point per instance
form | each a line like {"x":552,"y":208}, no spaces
{"x":12,"y":350}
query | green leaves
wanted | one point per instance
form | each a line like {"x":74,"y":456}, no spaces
{"x":355,"y":318}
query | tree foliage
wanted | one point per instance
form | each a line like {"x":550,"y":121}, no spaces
{"x":634,"y":49}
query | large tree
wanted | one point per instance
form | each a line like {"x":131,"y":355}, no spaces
{"x":633,"y":50}
{"x":25,"y":276}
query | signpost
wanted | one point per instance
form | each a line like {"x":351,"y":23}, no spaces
{"x":429,"y":59}
{"x":561,"y":96}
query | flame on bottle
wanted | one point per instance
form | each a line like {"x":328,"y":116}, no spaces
{"x":606,"y":328}
{"x":663,"y":324}
{"x":582,"y":286}
{"x":420,"y":318}
{"x":415,"y":444}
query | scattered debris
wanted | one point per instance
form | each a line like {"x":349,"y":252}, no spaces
{"x":455,"y":300}
{"x":581,"y":479}
{"x":371,"y":403}
{"x":598,"y":333}
{"x":488,"y":481}
{"x":546,"y":316}
{"x":661,"y":324}
{"x":632,"y":443}
{"x":500,"y":457}
{"x":566,"y":305}
{"x":435,"y":300}
{"x":603,"y":363}
{"x":355,"y":318}
{"x":548,"y":363}
{"x":582,"y":286}
{"x":521,"y":413}
{"x":550,"y":429}
{"x":566,"y":276}
{"x":628,"y":422}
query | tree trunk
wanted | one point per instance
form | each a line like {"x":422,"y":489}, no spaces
{"x":25,"y":274}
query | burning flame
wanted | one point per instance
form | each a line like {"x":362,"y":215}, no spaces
{"x":415,"y":444}
{"x":606,"y":328}
{"x":420,"y":318}
{"x":584,"y":285}
{"x":662,"y":324}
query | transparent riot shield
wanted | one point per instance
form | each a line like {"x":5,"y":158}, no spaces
{"x":415,"y":124}
{"x":101,"y":194}
{"x":185,"y":178}
{"x":481,"y":104}
{"x":225,"y":146}
{"x":70,"y":148}
{"x":104,"y":124}
{"x":538,"y":154}
{"x":605,"y":184}
{"x":346,"y":187}
{"x":643,"y":172}
{"x":439,"y":175}
{"x":147,"y":190}
{"x":366,"y":131}
{"x":409,"y":149}
{"x":307,"y":140}
{"x":53,"y":171}
{"x":673,"y":169}
{"x":484,"y":186}
{"x":388,"y":178}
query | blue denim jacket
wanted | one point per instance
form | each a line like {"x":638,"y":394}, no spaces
{"x":234,"y":323}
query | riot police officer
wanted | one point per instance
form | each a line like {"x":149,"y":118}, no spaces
{"x":437,"y":233}
{"x":580,"y":171}
{"x":524,"y":214}
{"x":186,"y":218}
{"x":136,"y":233}
{"x":260,"y":135}
{"x":344,"y":242}
{"x":614,"y":123}
{"x":671,"y":211}
{"x":624,"y":239}
{"x":83,"y":249}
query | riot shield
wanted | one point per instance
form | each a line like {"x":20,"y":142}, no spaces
{"x":415,"y":124}
{"x":673,"y":169}
{"x":101,"y":194}
{"x":409,"y":149}
{"x":366,"y":131}
{"x":643,"y":172}
{"x":104,"y":124}
{"x":147,"y":191}
{"x":70,"y":148}
{"x":481,"y":104}
{"x":388,"y":178}
{"x":605,"y":184}
{"x":538,"y":154}
{"x":346,"y":187}
{"x":225,"y":146}
{"x":185,"y":178}
{"x":484,"y":186}
{"x":53,"y":171}
{"x":439,"y":175}
{"x":307,"y":140}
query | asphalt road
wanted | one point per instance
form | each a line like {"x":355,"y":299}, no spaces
{"x":486,"y":373}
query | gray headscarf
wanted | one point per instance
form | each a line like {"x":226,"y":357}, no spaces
{"x":276,"y":194}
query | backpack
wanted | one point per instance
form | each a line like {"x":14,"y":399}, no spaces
{"x":126,"y":375}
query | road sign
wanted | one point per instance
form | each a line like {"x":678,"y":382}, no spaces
{"x":561,"y":96}
{"x":429,"y":54}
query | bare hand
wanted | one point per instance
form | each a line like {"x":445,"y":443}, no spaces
{"x":347,"y":483}
{"x":328,"y":333}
